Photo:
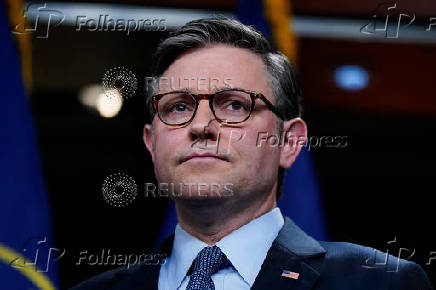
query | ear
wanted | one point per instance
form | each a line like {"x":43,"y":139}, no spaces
{"x":295,"y":137}
{"x":148,"y":139}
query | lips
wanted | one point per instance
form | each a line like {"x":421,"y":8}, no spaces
{"x":202,"y":155}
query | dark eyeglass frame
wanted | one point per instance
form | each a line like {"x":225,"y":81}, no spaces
{"x":197,"y":97}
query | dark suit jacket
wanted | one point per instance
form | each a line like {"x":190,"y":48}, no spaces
{"x":321,"y":265}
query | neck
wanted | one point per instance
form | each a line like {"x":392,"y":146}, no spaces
{"x":212,"y":221}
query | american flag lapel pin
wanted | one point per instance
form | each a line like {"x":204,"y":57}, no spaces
{"x":290,"y":274}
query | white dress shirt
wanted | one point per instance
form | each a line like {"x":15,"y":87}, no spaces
{"x":246,"y":248}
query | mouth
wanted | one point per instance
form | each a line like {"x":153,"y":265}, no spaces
{"x":205,"y":157}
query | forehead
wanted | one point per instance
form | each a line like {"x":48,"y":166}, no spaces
{"x":221,"y":65}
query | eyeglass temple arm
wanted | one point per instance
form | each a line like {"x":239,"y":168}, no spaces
{"x":269,"y":105}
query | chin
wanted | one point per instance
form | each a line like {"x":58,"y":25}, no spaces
{"x":197,"y":168}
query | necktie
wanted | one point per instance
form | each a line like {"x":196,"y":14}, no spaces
{"x":207,"y":263}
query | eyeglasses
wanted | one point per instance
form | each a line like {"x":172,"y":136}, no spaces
{"x":229,"y":106}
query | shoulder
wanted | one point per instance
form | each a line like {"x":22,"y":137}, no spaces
{"x":116,"y":278}
{"x":354,"y":262}
{"x":104,"y":280}
{"x":133,"y":277}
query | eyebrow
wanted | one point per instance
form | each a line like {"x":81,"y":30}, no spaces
{"x":216,"y":89}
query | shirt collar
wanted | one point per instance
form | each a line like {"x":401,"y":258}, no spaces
{"x":185,"y":250}
{"x":245,"y":247}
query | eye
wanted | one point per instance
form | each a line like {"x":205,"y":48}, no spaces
{"x":235,"y":105}
{"x":232,"y":103}
{"x":179,"y":107}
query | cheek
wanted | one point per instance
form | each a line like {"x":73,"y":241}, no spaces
{"x":259,"y":155}
{"x":166,"y":143}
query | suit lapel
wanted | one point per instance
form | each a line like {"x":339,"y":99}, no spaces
{"x":145,"y":278}
{"x":288,"y":252}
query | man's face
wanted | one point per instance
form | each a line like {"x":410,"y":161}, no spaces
{"x":241,"y":168}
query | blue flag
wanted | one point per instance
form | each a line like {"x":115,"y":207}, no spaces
{"x":301,"y":198}
{"x":26,"y":249}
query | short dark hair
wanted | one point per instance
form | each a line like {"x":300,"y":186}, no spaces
{"x":199,"y":33}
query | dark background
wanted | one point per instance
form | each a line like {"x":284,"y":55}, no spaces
{"x":378,"y":188}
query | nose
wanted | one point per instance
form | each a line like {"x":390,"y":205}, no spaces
{"x":203,"y":126}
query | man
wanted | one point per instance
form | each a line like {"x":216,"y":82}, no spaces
{"x":204,"y":142}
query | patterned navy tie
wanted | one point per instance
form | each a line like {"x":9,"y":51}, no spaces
{"x":207,"y":263}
